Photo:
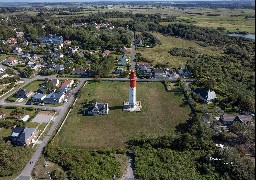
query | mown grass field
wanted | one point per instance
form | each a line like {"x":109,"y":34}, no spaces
{"x":161,"y":112}
{"x":160,"y":53}
{"x":34,"y":86}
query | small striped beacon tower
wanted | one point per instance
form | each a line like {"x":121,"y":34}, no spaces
{"x":132,"y":105}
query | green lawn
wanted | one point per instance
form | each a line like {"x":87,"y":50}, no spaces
{"x":34,"y":86}
{"x":3,"y":57}
{"x":161,"y":112}
{"x":160,"y":53}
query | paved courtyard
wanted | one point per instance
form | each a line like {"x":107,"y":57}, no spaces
{"x":43,"y":117}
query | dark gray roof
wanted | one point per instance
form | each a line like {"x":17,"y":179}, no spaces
{"x":245,"y":118}
{"x":203,"y":93}
{"x":16,"y":131}
{"x":38,"y":96}
{"x":54,"y":95}
{"x":99,"y":106}
{"x":227,"y":117}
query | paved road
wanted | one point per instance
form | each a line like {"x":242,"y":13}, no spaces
{"x":26,"y":173}
{"x":133,"y":63}
{"x":129,"y":175}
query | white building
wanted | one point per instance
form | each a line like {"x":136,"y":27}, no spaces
{"x":98,"y":109}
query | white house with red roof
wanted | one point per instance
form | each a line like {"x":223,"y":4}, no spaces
{"x":66,"y":84}
{"x":12,"y":41}
{"x":10,"y":61}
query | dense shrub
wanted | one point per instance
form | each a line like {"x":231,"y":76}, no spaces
{"x":84,"y":164}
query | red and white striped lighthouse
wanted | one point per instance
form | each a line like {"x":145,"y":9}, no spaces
{"x":132,"y":90}
{"x":132,"y":105}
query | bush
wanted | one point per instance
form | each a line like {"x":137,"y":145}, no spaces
{"x":84,"y":164}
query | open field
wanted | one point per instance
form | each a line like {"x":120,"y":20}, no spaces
{"x":232,"y":24}
{"x":161,"y":112}
{"x":160,"y":53}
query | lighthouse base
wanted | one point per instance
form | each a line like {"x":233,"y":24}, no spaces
{"x":136,"y":108}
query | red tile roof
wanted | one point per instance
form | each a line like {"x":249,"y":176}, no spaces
{"x":11,"y":58}
{"x":65,"y":83}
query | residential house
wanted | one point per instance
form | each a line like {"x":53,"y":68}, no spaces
{"x":123,"y":61}
{"x":51,"y":66}
{"x":184,"y":73}
{"x":66,"y":84}
{"x":51,"y":39}
{"x":105,"y":53}
{"x":36,"y":66}
{"x":24,"y":118}
{"x":228,"y":120}
{"x":54,"y":98}
{"x":140,"y":64}
{"x":79,"y":71}
{"x":38,"y":97}
{"x":126,"y":50}
{"x":35,"y":57}
{"x":23,"y":136}
{"x":67,"y":43}
{"x":119,"y":70}
{"x":2,"y":69}
{"x":145,"y":72}
{"x":4,"y":75}
{"x":25,"y":55}
{"x":245,"y":119}
{"x":15,"y":133}
{"x":73,"y":50}
{"x":159,"y":73}
{"x":30,"y":63}
{"x":26,"y":43}
{"x":10,"y":61}
{"x":139,"y":42}
{"x":173,"y":75}
{"x":56,"y":56}
{"x":2,"y":115}
{"x":79,"y":25}
{"x":12,"y":41}
{"x":17,"y":50}
{"x":204,"y":95}
{"x":97,"y":109}
{"x":59,"y":68}
{"x":19,"y":35}
{"x":55,"y":82}
{"x":22,"y":93}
